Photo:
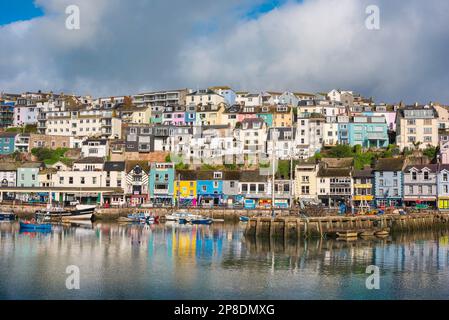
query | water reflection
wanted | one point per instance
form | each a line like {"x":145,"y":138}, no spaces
{"x":169,"y":261}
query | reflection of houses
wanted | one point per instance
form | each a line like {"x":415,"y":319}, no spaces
{"x":420,"y":185}
{"x":388,"y":182}
{"x":335,"y":181}
{"x":136,"y":182}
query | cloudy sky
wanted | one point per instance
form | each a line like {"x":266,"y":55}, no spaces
{"x":126,"y":47}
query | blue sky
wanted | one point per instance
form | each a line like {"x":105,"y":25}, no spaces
{"x":15,"y":10}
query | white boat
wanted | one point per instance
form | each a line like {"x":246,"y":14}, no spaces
{"x":82,"y":212}
{"x":179,"y":215}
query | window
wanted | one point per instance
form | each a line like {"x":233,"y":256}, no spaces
{"x":252,"y":188}
{"x":410,"y":189}
{"x":244,"y":188}
{"x":61,"y":180}
{"x":83,"y":180}
{"x":426,"y":175}
{"x":215,"y":184}
{"x":305,"y":190}
{"x":445,"y":177}
{"x":414,"y":176}
{"x":446,"y":188}
{"x":204,"y":188}
{"x":94,"y":180}
{"x":261,"y":188}
{"x":232,"y":184}
{"x":218,"y":175}
{"x":70,"y":180}
{"x":119,"y":183}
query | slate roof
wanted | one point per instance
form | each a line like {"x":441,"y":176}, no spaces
{"x":366,"y":173}
{"x":252,"y":176}
{"x":8,"y":166}
{"x":114,"y":166}
{"x":389,"y":164}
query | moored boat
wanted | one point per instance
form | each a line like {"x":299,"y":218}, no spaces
{"x":244,"y":218}
{"x":201,"y":221}
{"x":7,"y":216}
{"x":82,"y":212}
{"x":34,"y":226}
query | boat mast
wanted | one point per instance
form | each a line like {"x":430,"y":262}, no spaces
{"x":273,"y":173}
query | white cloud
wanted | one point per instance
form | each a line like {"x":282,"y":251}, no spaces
{"x":324,"y":44}
{"x":129,"y":46}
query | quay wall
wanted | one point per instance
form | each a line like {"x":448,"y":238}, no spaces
{"x":322,"y":227}
{"x":228,"y":214}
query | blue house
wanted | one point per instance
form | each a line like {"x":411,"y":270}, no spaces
{"x":365,"y":130}
{"x":388,"y":183}
{"x":7,"y":142}
{"x":190,"y":115}
{"x":161,"y":183}
{"x":210,"y":188}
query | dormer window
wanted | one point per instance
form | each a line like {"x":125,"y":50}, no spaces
{"x":218,"y":175}
{"x":426,"y":175}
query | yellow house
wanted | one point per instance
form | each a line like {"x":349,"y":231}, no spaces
{"x":282,"y":116}
{"x":185,"y":187}
{"x":363,"y":188}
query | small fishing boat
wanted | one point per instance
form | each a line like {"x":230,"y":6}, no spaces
{"x":182,"y":221}
{"x":34,"y":226}
{"x":82,"y":212}
{"x":347,"y":234}
{"x":7,"y":216}
{"x":244,"y":218}
{"x":382,"y":233}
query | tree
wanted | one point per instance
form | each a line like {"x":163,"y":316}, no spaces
{"x":341,"y":151}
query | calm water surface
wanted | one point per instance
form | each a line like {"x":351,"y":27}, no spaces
{"x":215,"y":262}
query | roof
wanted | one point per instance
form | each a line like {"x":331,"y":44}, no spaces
{"x":7,"y":134}
{"x":8,"y":166}
{"x":389,"y":164}
{"x":32,"y":165}
{"x":189,"y":175}
{"x":366,"y":173}
{"x":90,"y":160}
{"x":252,"y":176}
{"x":129,"y":165}
{"x":432,"y":167}
{"x":114,"y":166}
{"x":334,"y":172}
{"x":337,"y":162}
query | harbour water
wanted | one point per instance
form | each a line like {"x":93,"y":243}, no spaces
{"x":169,"y":261}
